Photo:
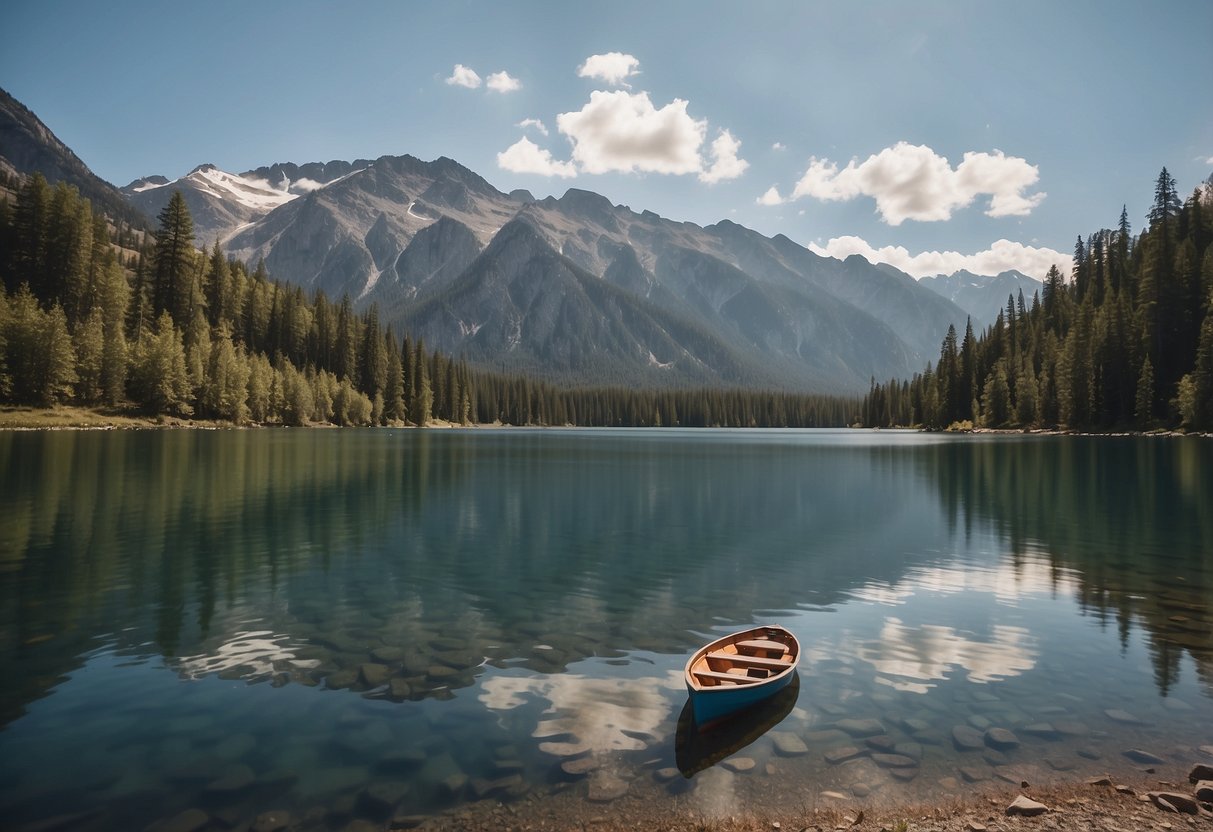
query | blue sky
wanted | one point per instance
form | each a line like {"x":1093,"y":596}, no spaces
{"x":858,"y":114}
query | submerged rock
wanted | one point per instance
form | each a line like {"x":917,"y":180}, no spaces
{"x":973,"y":775}
{"x":580,"y":766}
{"x":788,"y":744}
{"x":1071,"y":727}
{"x":606,"y":787}
{"x":1123,"y":717}
{"x":1143,"y":757}
{"x":967,"y":739}
{"x":861,"y":727}
{"x":881,"y":743}
{"x":1043,"y":730}
{"x":739,"y":764}
{"x":840,"y":755}
{"x":1001,"y":738}
{"x":373,"y":674}
{"x":894,"y":761}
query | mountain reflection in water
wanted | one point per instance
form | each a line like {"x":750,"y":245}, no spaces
{"x":464,"y":610}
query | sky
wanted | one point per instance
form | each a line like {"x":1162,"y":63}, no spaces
{"x":930,"y":135}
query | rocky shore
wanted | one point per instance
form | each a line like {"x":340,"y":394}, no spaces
{"x":1101,"y":803}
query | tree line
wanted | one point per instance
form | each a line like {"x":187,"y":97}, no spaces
{"x":1125,"y":343}
{"x":98,"y":314}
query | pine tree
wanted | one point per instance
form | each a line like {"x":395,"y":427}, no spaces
{"x":225,"y":391}
{"x":996,"y":397}
{"x":30,"y":230}
{"x":89,"y":342}
{"x":173,"y":284}
{"x":112,"y":294}
{"x":373,"y":364}
{"x":1145,"y":395}
{"x":423,"y":399}
{"x":393,"y":393}
{"x":158,"y":377}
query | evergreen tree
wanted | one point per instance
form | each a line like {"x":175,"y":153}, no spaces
{"x":1145,"y":395}
{"x":112,"y":294}
{"x":30,"y":231}
{"x":422,"y":404}
{"x":158,"y":378}
{"x":173,"y":284}
{"x":393,"y":393}
{"x":89,"y":342}
{"x":225,"y":392}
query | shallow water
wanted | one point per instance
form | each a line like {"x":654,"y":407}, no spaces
{"x":355,"y":624}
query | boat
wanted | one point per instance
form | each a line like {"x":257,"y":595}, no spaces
{"x":738,"y":671}
{"x":696,"y":750}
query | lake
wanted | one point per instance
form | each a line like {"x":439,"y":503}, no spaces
{"x":368,"y":624}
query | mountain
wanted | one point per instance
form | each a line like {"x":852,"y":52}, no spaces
{"x":982,"y":296}
{"x":223,"y":203}
{"x":346,"y":236}
{"x":574,"y":288}
{"x":630,"y":297}
{"x":28,"y":146}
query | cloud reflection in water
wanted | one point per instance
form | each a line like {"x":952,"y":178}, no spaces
{"x":588,"y":714}
{"x":908,"y":657}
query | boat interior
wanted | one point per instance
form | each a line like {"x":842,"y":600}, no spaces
{"x":743,"y":662}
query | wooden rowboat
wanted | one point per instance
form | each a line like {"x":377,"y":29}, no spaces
{"x":740,"y":670}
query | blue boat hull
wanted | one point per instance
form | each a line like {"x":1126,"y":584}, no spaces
{"x":715,"y":687}
{"x":714,"y":704}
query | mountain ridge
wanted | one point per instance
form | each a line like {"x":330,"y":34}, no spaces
{"x":579,"y":290}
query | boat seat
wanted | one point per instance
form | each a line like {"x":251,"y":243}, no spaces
{"x":731,"y":678}
{"x":749,"y":661}
{"x":762,"y":644}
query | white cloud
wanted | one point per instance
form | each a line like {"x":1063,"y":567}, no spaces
{"x":533,"y":122}
{"x":612,"y":67}
{"x":999,"y":257}
{"x":1209,"y":161}
{"x":914,"y":182}
{"x":779,"y":146}
{"x":464,"y":76}
{"x":502,"y":82}
{"x":622,"y":131}
{"x":307,"y":185}
{"x":524,"y":156}
{"x":725,"y":163}
{"x":771,"y":197}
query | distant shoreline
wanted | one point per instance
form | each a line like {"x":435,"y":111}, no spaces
{"x":24,"y":418}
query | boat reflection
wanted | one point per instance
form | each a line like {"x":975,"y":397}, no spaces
{"x":695,"y":751}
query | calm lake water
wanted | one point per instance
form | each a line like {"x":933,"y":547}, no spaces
{"x":367,"y":623}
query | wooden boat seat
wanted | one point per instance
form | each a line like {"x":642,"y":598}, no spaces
{"x":763,"y":644}
{"x":723,"y":678}
{"x":749,"y":661}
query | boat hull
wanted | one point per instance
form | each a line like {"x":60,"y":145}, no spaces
{"x":712,"y":701}
{"x":715,"y":704}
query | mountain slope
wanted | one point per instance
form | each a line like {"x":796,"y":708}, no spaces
{"x":664,"y":299}
{"x":523,"y":307}
{"x":223,"y":203}
{"x":28,"y":146}
{"x":982,"y":296}
{"x":342,"y":237}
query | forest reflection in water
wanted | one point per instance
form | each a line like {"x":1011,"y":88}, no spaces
{"x":538,"y":590}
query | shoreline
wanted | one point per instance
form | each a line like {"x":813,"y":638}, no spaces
{"x":29,"y":418}
{"x":1096,"y":803}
